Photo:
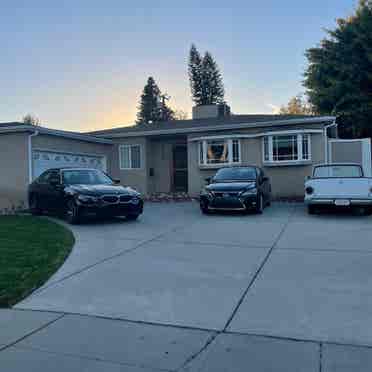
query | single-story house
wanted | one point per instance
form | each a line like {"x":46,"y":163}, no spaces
{"x":173,"y":156}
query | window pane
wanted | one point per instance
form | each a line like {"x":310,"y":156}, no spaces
{"x":124,"y":157}
{"x":305,"y":146}
{"x":201,"y":153}
{"x":266,"y":149}
{"x":236,"y":151}
{"x":217,"y":152}
{"x":338,"y":171}
{"x":285,"y":148}
{"x":136,"y":157}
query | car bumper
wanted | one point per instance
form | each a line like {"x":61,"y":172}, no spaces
{"x":229,"y":204}
{"x":111,"y":210}
{"x":342,"y":202}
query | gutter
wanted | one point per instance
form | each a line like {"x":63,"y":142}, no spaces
{"x":107,"y":134}
{"x":36,"y":133}
{"x":326,"y":142}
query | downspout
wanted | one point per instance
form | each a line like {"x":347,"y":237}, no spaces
{"x":36,"y":132}
{"x":326,"y":147}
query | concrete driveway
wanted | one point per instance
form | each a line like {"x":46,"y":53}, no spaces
{"x":295,"y":286}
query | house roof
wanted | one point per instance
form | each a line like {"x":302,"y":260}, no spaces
{"x":12,"y":127}
{"x":211,"y":124}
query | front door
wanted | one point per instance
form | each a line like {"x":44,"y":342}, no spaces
{"x":180,"y":174}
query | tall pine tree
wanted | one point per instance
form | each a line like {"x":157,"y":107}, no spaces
{"x":205,"y":79}
{"x":153,"y":107}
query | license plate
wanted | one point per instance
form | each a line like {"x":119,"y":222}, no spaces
{"x":342,"y":202}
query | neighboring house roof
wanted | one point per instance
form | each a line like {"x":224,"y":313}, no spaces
{"x":13,"y":127}
{"x":211,"y":124}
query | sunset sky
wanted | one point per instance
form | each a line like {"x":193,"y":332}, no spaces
{"x":81,"y":65}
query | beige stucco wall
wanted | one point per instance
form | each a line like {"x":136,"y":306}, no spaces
{"x":347,"y":152}
{"x":159,"y":157}
{"x":136,"y":178}
{"x":287,"y":181}
{"x":14,"y":169}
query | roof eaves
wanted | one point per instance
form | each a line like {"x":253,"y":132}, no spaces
{"x":219,"y":127}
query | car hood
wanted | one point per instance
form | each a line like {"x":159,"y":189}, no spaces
{"x":98,"y":190}
{"x":231,"y":186}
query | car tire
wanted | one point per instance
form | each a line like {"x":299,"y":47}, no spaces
{"x":260,"y":204}
{"x":311,"y":209}
{"x":132,"y":217}
{"x":72,"y":212}
{"x":204,"y":208}
{"x":34,"y":206}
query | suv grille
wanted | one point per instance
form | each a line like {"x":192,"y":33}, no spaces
{"x":125,"y":198}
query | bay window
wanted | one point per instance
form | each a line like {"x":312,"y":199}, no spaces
{"x":286,"y":148}
{"x":219,"y":152}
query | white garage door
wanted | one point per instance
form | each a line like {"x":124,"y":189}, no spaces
{"x":43,"y":160}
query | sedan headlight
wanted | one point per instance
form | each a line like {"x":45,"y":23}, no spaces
{"x":249,"y":192}
{"x":208,"y":193}
{"x":87,"y":199}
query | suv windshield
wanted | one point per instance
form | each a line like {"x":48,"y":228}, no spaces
{"x":338,"y":171}
{"x":235,"y":174}
{"x":85,"y":177}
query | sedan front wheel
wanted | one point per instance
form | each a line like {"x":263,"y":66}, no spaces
{"x":72,"y":212}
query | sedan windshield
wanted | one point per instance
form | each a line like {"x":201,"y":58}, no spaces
{"x":85,"y":177}
{"x":338,"y":171}
{"x":235,"y":174}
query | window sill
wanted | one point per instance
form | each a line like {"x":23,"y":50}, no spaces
{"x":217,"y":166}
{"x":286,"y":163}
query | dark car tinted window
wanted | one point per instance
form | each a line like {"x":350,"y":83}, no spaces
{"x":236,"y":174}
{"x":44,"y":177}
{"x":85,"y":177}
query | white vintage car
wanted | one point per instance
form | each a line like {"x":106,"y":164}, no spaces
{"x":339,"y":185}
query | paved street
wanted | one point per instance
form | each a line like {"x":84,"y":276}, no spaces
{"x":178,"y":291}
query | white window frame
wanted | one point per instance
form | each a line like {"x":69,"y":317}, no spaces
{"x":203,"y":149}
{"x":130,"y":156}
{"x":300,"y":153}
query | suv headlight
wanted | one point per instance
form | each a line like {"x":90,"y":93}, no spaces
{"x":208,"y":193}
{"x":249,"y":192}
{"x":87,"y":199}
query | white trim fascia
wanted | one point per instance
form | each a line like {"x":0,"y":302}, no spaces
{"x":30,"y":156}
{"x":257,"y":135}
{"x":217,"y":127}
{"x":130,"y":156}
{"x":56,"y":132}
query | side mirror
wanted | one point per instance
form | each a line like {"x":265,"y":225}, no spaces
{"x":55,"y":182}
{"x":208,"y":180}
{"x":307,"y":178}
{"x":116,"y":181}
{"x":265,"y":179}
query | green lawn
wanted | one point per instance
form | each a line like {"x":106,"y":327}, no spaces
{"x":31,"y":250}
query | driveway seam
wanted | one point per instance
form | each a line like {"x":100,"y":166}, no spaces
{"x":321,"y":357}
{"x":88,"y":267}
{"x":31,"y":333}
{"x":259,"y":270}
{"x":92,"y":358}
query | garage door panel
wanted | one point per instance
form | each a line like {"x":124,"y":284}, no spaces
{"x":44,"y":160}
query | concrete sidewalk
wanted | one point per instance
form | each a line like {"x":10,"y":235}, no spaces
{"x":40,"y":341}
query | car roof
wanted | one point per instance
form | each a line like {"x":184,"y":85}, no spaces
{"x":337,"y":164}
{"x":71,"y":168}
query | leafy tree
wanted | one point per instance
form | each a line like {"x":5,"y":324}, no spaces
{"x":205,"y":79}
{"x":31,"y":120}
{"x":153,"y":107}
{"x":339,"y":75}
{"x":297,"y":106}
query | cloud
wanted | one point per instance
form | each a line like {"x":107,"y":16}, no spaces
{"x":274,"y":108}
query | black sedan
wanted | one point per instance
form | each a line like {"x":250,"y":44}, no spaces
{"x":236,"y":188}
{"x":82,"y":192}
